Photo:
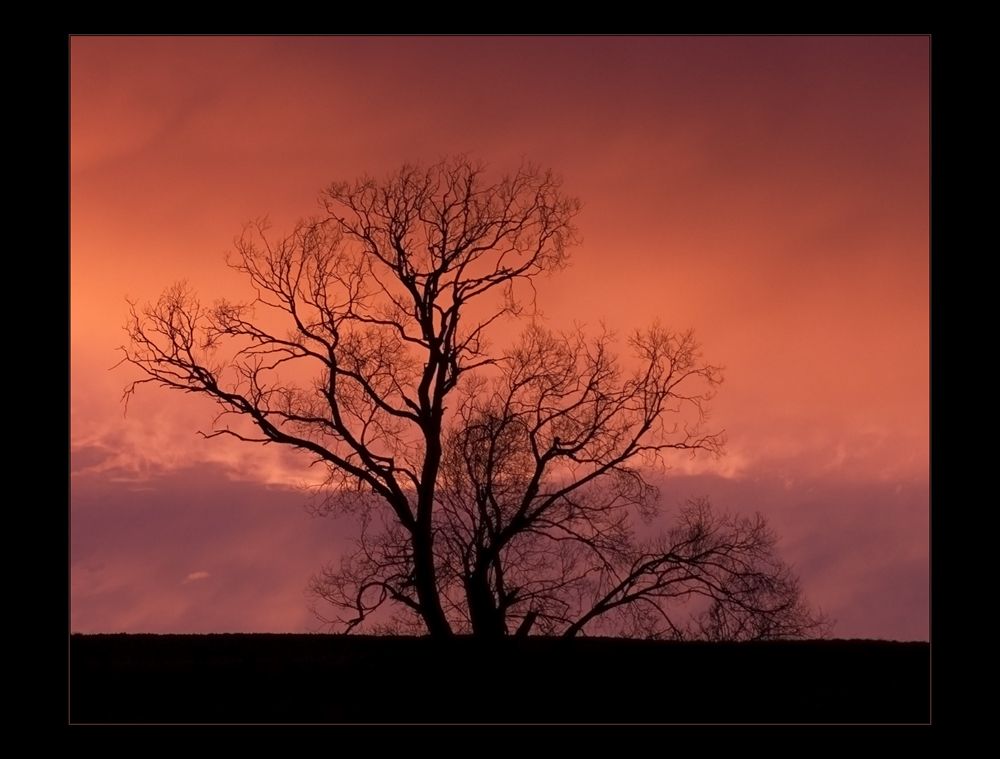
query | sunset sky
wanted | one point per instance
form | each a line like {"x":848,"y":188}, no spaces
{"x":771,"y":192}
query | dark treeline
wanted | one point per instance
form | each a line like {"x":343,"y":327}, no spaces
{"x":246,"y":678}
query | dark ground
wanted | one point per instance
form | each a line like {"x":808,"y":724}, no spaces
{"x":326,"y":678}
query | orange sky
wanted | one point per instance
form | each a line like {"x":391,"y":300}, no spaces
{"x":773,"y":193}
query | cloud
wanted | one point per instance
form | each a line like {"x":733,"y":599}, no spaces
{"x":195,"y":576}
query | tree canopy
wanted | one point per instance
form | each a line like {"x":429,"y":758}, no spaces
{"x":496,"y":491}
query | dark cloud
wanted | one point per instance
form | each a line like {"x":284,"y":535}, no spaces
{"x":133,"y":545}
{"x":861,"y":549}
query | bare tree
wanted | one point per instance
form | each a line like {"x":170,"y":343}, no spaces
{"x":516,"y":507}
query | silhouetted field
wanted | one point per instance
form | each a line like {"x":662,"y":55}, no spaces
{"x":327,"y":678}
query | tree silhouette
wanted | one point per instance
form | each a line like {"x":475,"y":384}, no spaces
{"x":494,"y":491}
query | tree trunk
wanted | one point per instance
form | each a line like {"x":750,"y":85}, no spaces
{"x":487,"y":619}
{"x":425,"y":579}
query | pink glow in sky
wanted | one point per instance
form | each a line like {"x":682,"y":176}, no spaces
{"x":773,"y":193}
